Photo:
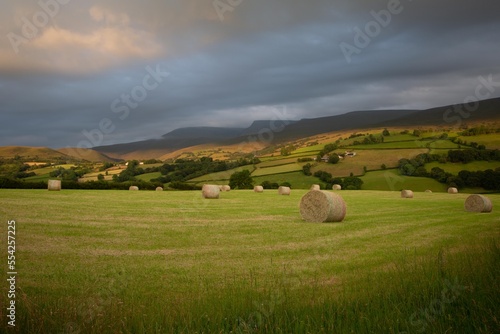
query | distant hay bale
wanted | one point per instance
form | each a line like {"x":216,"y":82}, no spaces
{"x":318,"y":206}
{"x":258,"y":189}
{"x":428,"y":191}
{"x":315,"y":187}
{"x":159,"y":189}
{"x":225,"y":188}
{"x":54,"y":185}
{"x":282,"y":190}
{"x":210,"y":191}
{"x":133,"y":188}
{"x":478,"y":203}
{"x":406,"y":194}
{"x":336,"y":187}
{"x":452,"y":190}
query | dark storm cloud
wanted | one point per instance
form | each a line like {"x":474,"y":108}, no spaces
{"x":263,"y":56}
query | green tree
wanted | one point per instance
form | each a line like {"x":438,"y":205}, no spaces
{"x":333,"y":159}
{"x":100,"y":177}
{"x":306,"y":169}
{"x":241,"y":180}
{"x":386,"y":133}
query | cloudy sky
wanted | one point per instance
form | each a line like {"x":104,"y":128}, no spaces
{"x":104,"y":72}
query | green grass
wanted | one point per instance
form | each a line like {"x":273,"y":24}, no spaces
{"x":444,"y":144}
{"x":278,"y":169}
{"x":491,"y":141}
{"x":372,"y":159}
{"x":391,"y":145}
{"x":220,"y":176}
{"x":391,"y":180}
{"x":297,"y":179}
{"x":399,"y":137}
{"x":148,"y":176}
{"x":246,"y":263}
{"x":47,"y":170}
{"x":38,"y":178}
{"x":277,"y":162}
{"x":454,"y":168}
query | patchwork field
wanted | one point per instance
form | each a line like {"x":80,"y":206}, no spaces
{"x":172,"y":262}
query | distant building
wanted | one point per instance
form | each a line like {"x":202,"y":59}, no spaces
{"x":350,"y":154}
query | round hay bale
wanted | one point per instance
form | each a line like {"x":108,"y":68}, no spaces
{"x":318,"y":206}
{"x":452,"y":190}
{"x":54,"y":185}
{"x":315,"y":187}
{"x":159,"y":189}
{"x":282,"y":190}
{"x":478,"y":203}
{"x":225,"y":188}
{"x":210,"y":191}
{"x":133,"y":188}
{"x":428,"y":191}
{"x":336,"y":187}
{"x":258,"y":189}
{"x":406,"y":194}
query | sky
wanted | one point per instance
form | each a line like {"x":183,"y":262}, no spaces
{"x":90,"y":73}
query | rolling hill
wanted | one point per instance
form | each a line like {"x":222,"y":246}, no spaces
{"x":44,"y":153}
{"x":33,"y":153}
{"x":86,"y":154}
{"x":179,"y":139}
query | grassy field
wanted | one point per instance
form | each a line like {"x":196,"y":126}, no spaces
{"x":171,"y":262}
{"x":491,"y":141}
{"x":278,"y":169}
{"x":148,"y":176}
{"x":297,"y":179}
{"x":372,"y":159}
{"x":390,"y":180}
{"x":220,"y":176}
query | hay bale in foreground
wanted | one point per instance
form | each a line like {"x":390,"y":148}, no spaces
{"x":54,"y":185}
{"x":284,"y":190}
{"x":315,"y":187}
{"x":336,"y":187}
{"x":210,"y":191}
{"x":406,"y":194}
{"x":318,"y":206}
{"x":159,"y":189}
{"x":133,"y":188}
{"x":452,"y":190}
{"x":258,"y":189}
{"x":225,"y":188}
{"x":478,"y":203}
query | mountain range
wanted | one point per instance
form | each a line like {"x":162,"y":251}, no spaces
{"x":287,"y":130}
{"x":274,"y":131}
